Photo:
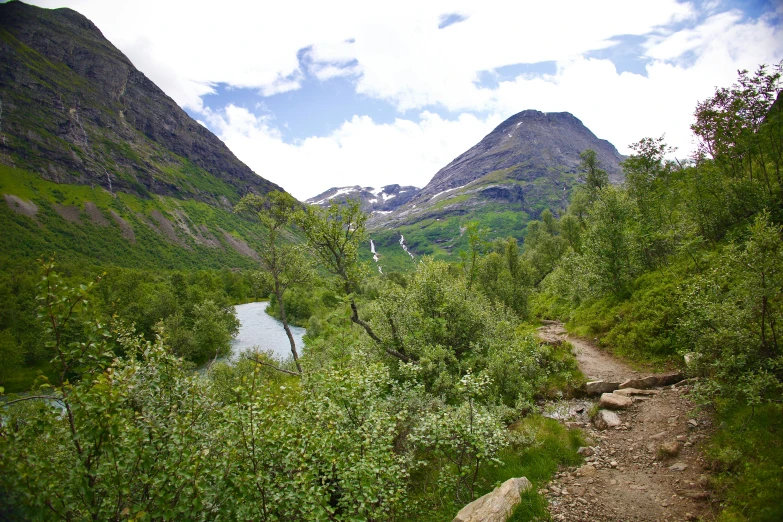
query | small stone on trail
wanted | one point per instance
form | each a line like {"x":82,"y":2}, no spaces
{"x":586,"y":471}
{"x":678,"y":466}
{"x":585,"y":451}
{"x":693,"y":423}
{"x":670,"y":449}
{"x":613,"y":401}
{"x":606,"y":419}
{"x":658,"y":435}
{"x":613,"y":463}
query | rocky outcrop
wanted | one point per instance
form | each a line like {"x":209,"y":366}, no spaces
{"x":497,"y":505}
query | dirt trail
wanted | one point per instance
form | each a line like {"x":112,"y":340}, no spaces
{"x":626,"y":477}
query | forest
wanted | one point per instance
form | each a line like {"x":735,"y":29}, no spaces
{"x":416,"y":392}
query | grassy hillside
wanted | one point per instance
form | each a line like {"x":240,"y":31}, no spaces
{"x":85,"y":225}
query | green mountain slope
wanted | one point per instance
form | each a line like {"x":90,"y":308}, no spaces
{"x":97,"y":164}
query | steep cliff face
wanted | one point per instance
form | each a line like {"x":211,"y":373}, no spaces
{"x":76,"y":110}
{"x":528,"y":163}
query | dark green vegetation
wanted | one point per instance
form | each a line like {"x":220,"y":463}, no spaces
{"x":190,"y":309}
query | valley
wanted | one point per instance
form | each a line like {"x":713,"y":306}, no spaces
{"x":548,"y":329}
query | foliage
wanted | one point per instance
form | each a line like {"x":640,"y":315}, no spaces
{"x":746,"y":458}
{"x":462,"y":438}
{"x":733,"y":316}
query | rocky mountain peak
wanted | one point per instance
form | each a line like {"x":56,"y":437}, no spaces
{"x":530,"y":161}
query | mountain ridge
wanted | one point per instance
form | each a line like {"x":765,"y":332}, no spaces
{"x":530,"y":160}
{"x":76,"y":110}
{"x":372,"y":200}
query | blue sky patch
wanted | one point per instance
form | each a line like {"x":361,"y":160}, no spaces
{"x":450,"y":19}
{"x":491,"y":79}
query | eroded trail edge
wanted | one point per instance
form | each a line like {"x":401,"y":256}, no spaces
{"x":649,"y":467}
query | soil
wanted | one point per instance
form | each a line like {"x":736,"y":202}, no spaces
{"x":627,"y":476}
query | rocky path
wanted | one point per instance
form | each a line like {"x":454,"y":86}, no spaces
{"x":648,"y":468}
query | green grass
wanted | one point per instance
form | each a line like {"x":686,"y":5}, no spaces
{"x":48,"y":234}
{"x":746,"y":452}
{"x":556,"y":447}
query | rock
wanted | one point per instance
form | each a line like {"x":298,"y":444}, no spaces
{"x":628,"y":392}
{"x":599,"y":387}
{"x":613,"y":464}
{"x":662,"y":379}
{"x":641,"y":384}
{"x":585,"y":451}
{"x":678,"y":466}
{"x":497,"y":505}
{"x":693,"y":423}
{"x":670,"y":449}
{"x":613,"y":401}
{"x":606,"y":419}
{"x":658,"y":436}
{"x":665,"y":379}
{"x":586,"y":471}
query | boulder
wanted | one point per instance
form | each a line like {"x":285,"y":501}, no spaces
{"x":612,"y":401}
{"x":606,"y":419}
{"x":497,"y":505}
{"x":641,"y":384}
{"x":666,"y":379}
{"x":599,"y":387}
{"x":645,"y":383}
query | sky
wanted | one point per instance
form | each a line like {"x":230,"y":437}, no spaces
{"x":318,"y":94}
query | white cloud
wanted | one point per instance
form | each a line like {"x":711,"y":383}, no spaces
{"x":360,"y":151}
{"x":398,"y":54}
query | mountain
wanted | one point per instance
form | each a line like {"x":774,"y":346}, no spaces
{"x":76,"y":110}
{"x":374,"y":201}
{"x":527,"y":164}
{"x":98,"y":165}
{"x":531,"y":161}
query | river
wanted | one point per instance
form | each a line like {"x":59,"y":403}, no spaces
{"x":260,"y":329}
